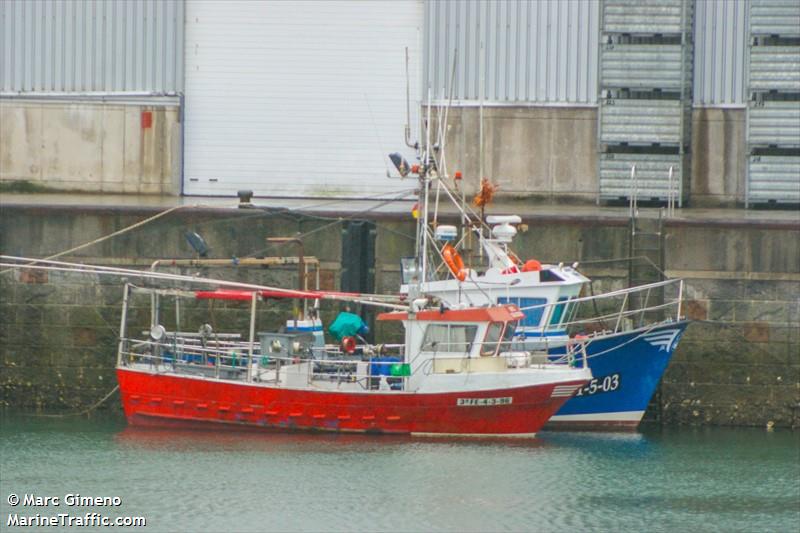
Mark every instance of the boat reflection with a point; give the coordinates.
(281, 441)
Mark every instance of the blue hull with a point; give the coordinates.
(627, 368)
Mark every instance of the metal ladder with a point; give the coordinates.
(646, 264)
(645, 239)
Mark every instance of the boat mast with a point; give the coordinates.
(422, 220)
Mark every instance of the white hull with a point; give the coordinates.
(626, 419)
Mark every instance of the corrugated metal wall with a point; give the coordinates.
(546, 51)
(539, 51)
(534, 51)
(97, 46)
(720, 41)
(298, 98)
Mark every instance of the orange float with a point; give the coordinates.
(531, 265)
(454, 262)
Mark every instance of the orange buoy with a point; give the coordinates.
(454, 262)
(531, 265)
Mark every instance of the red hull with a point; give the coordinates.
(169, 400)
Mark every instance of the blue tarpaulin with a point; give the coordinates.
(347, 325)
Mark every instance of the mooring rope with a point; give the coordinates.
(79, 413)
(105, 237)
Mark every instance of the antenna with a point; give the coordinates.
(377, 136)
(443, 126)
(408, 107)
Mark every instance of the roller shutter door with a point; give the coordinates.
(297, 99)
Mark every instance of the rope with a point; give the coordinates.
(617, 347)
(334, 220)
(106, 237)
(399, 196)
(79, 413)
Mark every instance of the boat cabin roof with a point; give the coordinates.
(499, 313)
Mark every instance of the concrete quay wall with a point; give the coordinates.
(738, 363)
(108, 147)
(530, 151)
(550, 153)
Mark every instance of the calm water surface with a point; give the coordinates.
(657, 480)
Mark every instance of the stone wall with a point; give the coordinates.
(91, 146)
(738, 363)
(58, 330)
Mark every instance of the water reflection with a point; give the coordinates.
(298, 442)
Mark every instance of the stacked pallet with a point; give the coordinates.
(645, 95)
(773, 109)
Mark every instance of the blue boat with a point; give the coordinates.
(627, 336)
(626, 370)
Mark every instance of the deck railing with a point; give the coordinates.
(617, 314)
(232, 360)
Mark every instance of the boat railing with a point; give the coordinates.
(614, 311)
(385, 369)
(234, 361)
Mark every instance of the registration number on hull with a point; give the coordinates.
(600, 385)
(484, 402)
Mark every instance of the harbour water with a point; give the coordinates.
(675, 480)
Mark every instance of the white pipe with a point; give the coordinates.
(253, 301)
(123, 323)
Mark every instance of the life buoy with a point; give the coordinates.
(349, 344)
(531, 265)
(454, 262)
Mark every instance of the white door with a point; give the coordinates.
(298, 99)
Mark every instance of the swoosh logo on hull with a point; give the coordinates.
(665, 340)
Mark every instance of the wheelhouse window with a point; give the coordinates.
(493, 335)
(449, 338)
(549, 275)
(572, 310)
(508, 335)
(533, 314)
(558, 311)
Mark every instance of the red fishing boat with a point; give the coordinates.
(455, 374)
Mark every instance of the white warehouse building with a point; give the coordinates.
(548, 98)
